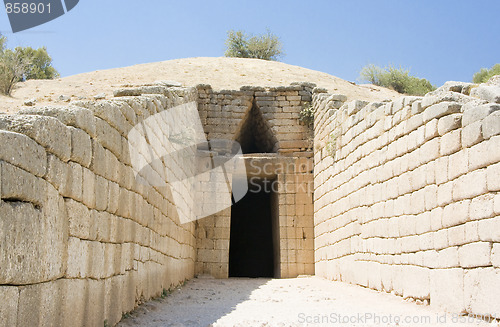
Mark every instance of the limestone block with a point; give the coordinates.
(479, 156)
(81, 147)
(79, 220)
(450, 143)
(472, 134)
(493, 153)
(75, 181)
(481, 207)
(88, 188)
(430, 150)
(74, 293)
(71, 116)
(475, 255)
(441, 109)
(470, 185)
(456, 213)
(113, 290)
(496, 205)
(477, 113)
(94, 303)
(116, 113)
(96, 259)
(98, 165)
(456, 235)
(416, 282)
(109, 137)
(113, 195)
(441, 170)
(495, 255)
(78, 258)
(448, 258)
(491, 125)
(112, 167)
(431, 129)
(449, 123)
(416, 107)
(23, 152)
(39, 304)
(101, 193)
(490, 93)
(33, 242)
(436, 221)
(8, 305)
(447, 290)
(101, 226)
(19, 185)
(458, 164)
(471, 232)
(355, 106)
(46, 131)
(489, 229)
(481, 290)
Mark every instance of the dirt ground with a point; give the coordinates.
(221, 73)
(307, 301)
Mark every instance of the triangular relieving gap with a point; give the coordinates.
(255, 135)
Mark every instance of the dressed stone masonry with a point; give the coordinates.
(82, 242)
(398, 196)
(406, 196)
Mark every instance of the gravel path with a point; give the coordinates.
(309, 301)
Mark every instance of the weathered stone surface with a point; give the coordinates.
(447, 289)
(79, 221)
(460, 87)
(23, 152)
(19, 185)
(26, 233)
(472, 114)
(47, 131)
(441, 109)
(8, 305)
(127, 92)
(491, 125)
(72, 116)
(475, 255)
(479, 294)
(109, 137)
(490, 93)
(472, 134)
(81, 147)
(57, 174)
(495, 255)
(449, 123)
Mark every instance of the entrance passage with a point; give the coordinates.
(251, 243)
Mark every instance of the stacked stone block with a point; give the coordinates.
(81, 240)
(406, 197)
(275, 113)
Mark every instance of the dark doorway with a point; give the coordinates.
(251, 251)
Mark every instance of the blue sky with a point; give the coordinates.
(439, 40)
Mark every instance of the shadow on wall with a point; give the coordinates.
(213, 299)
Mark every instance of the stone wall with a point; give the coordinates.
(406, 196)
(271, 116)
(81, 241)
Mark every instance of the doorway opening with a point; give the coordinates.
(253, 237)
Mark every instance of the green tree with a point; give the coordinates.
(22, 64)
(241, 45)
(398, 79)
(40, 63)
(483, 75)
